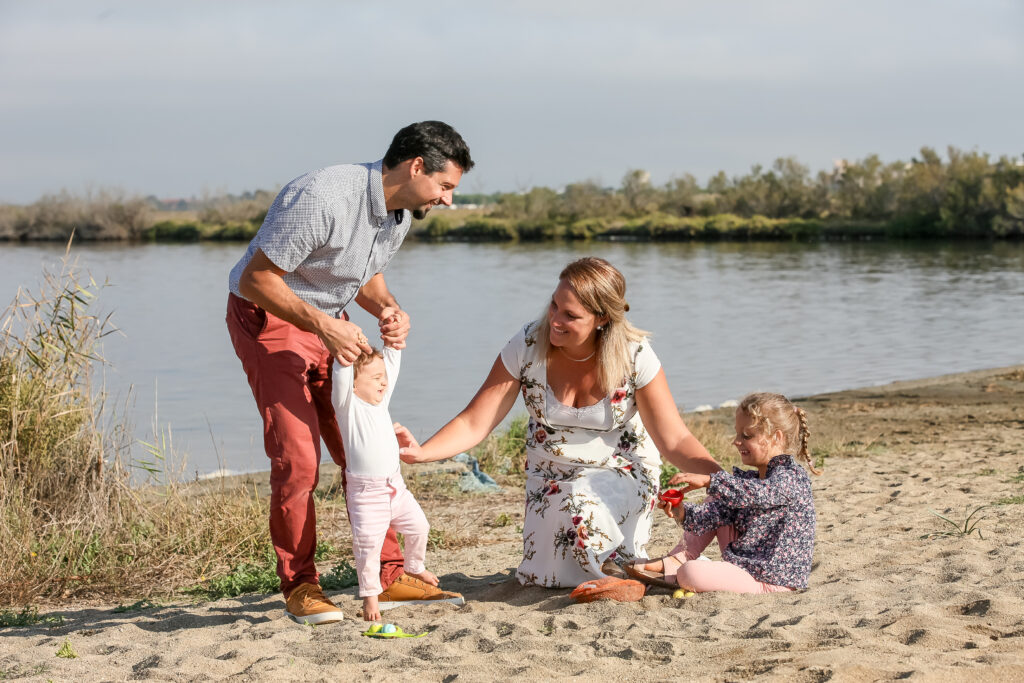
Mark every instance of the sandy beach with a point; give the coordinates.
(886, 600)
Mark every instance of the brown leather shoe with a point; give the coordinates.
(408, 590)
(308, 605)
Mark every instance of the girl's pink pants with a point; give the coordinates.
(703, 577)
(376, 504)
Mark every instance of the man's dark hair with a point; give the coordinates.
(435, 141)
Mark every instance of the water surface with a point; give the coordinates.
(726, 319)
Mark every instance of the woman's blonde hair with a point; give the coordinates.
(601, 290)
(769, 412)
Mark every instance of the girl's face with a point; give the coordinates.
(372, 381)
(756, 450)
(572, 325)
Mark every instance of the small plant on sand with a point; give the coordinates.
(964, 528)
(260, 576)
(342, 576)
(437, 539)
(667, 471)
(503, 453)
(66, 651)
(143, 604)
(29, 616)
(504, 519)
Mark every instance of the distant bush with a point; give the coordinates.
(476, 229)
(106, 215)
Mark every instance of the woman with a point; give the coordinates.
(600, 410)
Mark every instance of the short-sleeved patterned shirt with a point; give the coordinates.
(331, 232)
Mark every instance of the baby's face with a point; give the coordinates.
(372, 382)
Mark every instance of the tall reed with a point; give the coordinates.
(71, 523)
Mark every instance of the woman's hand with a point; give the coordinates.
(408, 447)
(692, 481)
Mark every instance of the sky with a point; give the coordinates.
(180, 99)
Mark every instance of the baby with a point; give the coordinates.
(375, 493)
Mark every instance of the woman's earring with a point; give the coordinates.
(600, 327)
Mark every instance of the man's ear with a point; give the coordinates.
(416, 167)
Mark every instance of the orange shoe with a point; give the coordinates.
(308, 605)
(408, 590)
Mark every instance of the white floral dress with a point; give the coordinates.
(589, 492)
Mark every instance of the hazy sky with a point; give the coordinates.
(178, 98)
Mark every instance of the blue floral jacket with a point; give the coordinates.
(773, 517)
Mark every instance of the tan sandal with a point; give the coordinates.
(664, 578)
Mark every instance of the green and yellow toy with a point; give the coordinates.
(390, 631)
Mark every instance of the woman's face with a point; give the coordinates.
(572, 325)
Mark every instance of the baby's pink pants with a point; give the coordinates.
(374, 505)
(704, 577)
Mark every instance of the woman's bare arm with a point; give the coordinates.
(671, 435)
(485, 411)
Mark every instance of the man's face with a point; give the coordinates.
(430, 189)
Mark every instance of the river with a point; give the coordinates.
(726, 319)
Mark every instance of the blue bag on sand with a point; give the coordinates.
(475, 480)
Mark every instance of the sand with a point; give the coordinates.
(884, 603)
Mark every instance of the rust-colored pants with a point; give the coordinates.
(289, 371)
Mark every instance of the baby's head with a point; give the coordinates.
(768, 425)
(370, 378)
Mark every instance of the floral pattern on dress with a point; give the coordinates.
(589, 493)
(774, 520)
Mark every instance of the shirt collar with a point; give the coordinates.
(779, 461)
(375, 186)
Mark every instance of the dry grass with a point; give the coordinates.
(107, 214)
(72, 523)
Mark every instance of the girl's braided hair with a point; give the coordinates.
(774, 411)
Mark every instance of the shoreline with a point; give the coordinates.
(892, 595)
(327, 468)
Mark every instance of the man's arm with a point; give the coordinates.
(262, 283)
(376, 299)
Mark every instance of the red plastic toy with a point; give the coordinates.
(672, 496)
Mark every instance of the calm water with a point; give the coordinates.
(726, 318)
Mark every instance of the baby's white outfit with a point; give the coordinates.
(375, 492)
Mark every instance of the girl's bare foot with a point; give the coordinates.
(371, 611)
(426, 577)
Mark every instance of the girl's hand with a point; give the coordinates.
(408, 447)
(692, 481)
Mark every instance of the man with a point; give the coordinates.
(325, 242)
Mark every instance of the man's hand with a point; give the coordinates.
(394, 327)
(344, 340)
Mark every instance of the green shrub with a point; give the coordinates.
(437, 228)
(483, 229)
(535, 231)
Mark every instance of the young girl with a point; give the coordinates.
(764, 518)
(375, 493)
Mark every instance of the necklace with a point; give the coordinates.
(577, 360)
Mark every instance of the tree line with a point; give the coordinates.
(967, 194)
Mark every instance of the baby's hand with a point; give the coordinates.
(394, 327)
